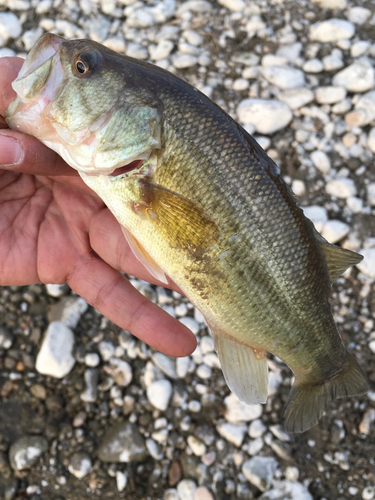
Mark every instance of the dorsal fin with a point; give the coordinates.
(339, 259)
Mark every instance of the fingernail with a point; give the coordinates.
(10, 151)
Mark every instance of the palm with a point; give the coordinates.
(54, 229)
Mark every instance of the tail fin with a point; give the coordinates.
(307, 402)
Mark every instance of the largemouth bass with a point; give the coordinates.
(200, 201)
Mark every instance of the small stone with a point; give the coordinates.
(360, 48)
(335, 230)
(55, 356)
(57, 290)
(232, 433)
(153, 449)
(284, 77)
(296, 98)
(25, 451)
(202, 493)
(358, 77)
(298, 187)
(181, 61)
(259, 471)
(122, 443)
(80, 465)
(367, 420)
(121, 480)
(194, 6)
(162, 50)
(321, 161)
(10, 26)
(68, 310)
(371, 194)
(257, 429)
(196, 446)
(358, 15)
(367, 265)
(39, 391)
(287, 489)
(313, 66)
(171, 494)
(331, 30)
(240, 84)
(268, 116)
(116, 43)
(341, 188)
(182, 366)
(159, 393)
(186, 489)
(204, 372)
(291, 473)
(237, 411)
(254, 446)
(368, 493)
(330, 95)
(121, 372)
(91, 380)
(355, 204)
(6, 338)
(233, 5)
(136, 50)
(106, 349)
(92, 359)
(166, 364)
(331, 4)
(332, 62)
(371, 140)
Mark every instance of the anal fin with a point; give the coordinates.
(245, 369)
(144, 257)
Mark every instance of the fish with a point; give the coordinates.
(198, 201)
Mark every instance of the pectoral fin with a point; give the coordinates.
(245, 371)
(144, 257)
(182, 222)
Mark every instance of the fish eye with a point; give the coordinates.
(85, 63)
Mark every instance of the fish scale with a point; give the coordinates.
(200, 201)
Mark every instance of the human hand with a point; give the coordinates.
(54, 229)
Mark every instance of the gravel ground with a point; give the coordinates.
(110, 418)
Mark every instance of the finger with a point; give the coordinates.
(23, 153)
(110, 293)
(9, 69)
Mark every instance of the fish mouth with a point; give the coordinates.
(45, 48)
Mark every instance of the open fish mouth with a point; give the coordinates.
(35, 65)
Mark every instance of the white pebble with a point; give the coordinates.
(321, 161)
(367, 265)
(298, 187)
(341, 188)
(371, 140)
(196, 446)
(186, 489)
(360, 48)
(284, 77)
(237, 411)
(313, 66)
(204, 372)
(358, 77)
(330, 94)
(232, 433)
(159, 394)
(92, 359)
(331, 30)
(358, 15)
(296, 98)
(257, 429)
(121, 480)
(55, 356)
(184, 61)
(267, 116)
(371, 193)
(233, 5)
(57, 290)
(10, 26)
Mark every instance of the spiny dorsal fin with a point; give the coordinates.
(339, 259)
(144, 257)
(244, 372)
